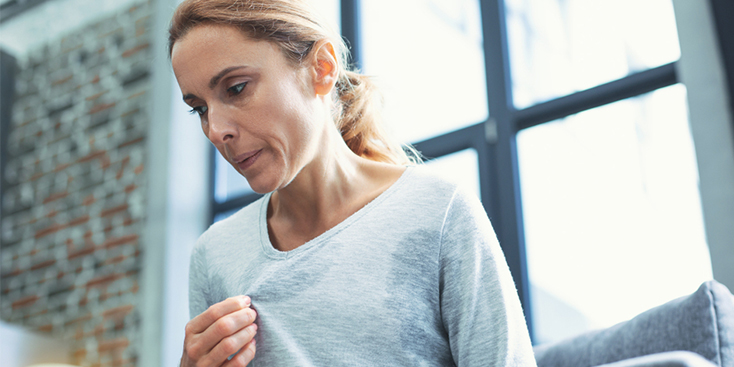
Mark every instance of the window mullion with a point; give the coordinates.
(504, 199)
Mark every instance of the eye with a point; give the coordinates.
(236, 89)
(199, 110)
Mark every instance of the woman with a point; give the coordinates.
(352, 257)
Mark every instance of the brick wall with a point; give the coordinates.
(74, 200)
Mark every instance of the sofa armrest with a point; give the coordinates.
(666, 359)
(702, 323)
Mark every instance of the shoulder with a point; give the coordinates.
(426, 185)
(423, 183)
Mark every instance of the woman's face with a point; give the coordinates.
(260, 112)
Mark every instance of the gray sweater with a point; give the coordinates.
(415, 278)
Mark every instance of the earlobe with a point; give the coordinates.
(326, 67)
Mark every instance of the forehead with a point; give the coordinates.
(209, 48)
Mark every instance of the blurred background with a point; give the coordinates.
(598, 135)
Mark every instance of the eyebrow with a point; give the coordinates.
(215, 79)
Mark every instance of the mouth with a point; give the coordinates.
(246, 160)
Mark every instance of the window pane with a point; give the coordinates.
(427, 58)
(461, 167)
(612, 213)
(328, 10)
(561, 46)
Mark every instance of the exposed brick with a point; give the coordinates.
(37, 175)
(46, 328)
(99, 329)
(79, 320)
(101, 107)
(56, 196)
(95, 96)
(54, 160)
(89, 200)
(128, 113)
(105, 162)
(49, 230)
(136, 95)
(79, 354)
(117, 241)
(77, 221)
(24, 302)
(135, 50)
(103, 280)
(131, 142)
(113, 210)
(62, 80)
(108, 345)
(61, 167)
(118, 312)
(81, 252)
(91, 156)
(43, 264)
(114, 260)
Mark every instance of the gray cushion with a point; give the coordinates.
(666, 359)
(702, 323)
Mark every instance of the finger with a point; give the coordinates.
(201, 322)
(235, 343)
(229, 324)
(245, 356)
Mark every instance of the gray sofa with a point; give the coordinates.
(696, 330)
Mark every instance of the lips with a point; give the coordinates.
(244, 161)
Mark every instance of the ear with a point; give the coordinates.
(325, 68)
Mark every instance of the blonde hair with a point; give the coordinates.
(295, 28)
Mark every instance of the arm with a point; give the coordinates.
(480, 308)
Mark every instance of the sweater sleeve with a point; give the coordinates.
(480, 307)
(198, 281)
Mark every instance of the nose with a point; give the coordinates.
(221, 126)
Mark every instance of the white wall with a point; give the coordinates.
(701, 70)
(178, 165)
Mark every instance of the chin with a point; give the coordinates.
(263, 185)
(262, 188)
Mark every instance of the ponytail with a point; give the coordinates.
(358, 117)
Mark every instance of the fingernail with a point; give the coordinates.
(246, 301)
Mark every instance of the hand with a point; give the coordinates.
(222, 330)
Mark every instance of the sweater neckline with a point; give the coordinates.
(270, 251)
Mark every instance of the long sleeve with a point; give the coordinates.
(198, 281)
(480, 308)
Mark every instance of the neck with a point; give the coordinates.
(333, 186)
(328, 182)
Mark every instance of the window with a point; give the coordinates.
(611, 207)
